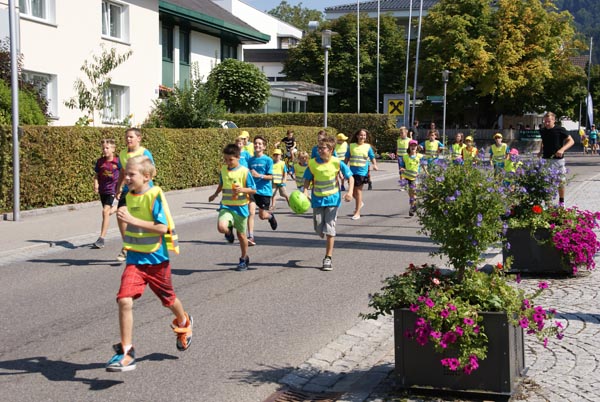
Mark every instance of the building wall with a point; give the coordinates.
(60, 47)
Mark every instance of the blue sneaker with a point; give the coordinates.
(121, 361)
(244, 264)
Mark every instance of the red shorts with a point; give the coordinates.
(157, 276)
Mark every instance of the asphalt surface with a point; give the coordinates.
(47, 266)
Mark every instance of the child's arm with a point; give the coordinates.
(217, 191)
(348, 195)
(120, 183)
(96, 184)
(154, 227)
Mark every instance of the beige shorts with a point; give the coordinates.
(324, 219)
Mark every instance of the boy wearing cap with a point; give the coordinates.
(498, 153)
(469, 152)
(248, 146)
(279, 175)
(410, 165)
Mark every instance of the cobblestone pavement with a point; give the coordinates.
(360, 363)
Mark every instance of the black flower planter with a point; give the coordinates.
(531, 257)
(419, 369)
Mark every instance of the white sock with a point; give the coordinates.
(126, 348)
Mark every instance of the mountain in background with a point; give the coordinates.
(587, 21)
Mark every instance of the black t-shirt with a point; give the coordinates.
(289, 142)
(553, 139)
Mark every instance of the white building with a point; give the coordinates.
(165, 37)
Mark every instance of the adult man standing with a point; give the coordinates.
(555, 141)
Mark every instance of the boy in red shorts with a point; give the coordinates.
(148, 237)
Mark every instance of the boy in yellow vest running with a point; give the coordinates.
(498, 153)
(410, 166)
(149, 234)
(322, 172)
(237, 185)
(300, 167)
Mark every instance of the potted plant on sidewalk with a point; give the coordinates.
(542, 238)
(461, 328)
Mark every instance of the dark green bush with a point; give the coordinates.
(29, 109)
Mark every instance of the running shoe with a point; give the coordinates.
(98, 243)
(273, 222)
(121, 361)
(184, 334)
(327, 266)
(243, 265)
(122, 255)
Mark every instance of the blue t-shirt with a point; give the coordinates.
(333, 200)
(262, 165)
(594, 135)
(241, 210)
(160, 255)
(361, 170)
(244, 157)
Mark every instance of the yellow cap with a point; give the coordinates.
(469, 138)
(341, 136)
(497, 135)
(277, 152)
(244, 134)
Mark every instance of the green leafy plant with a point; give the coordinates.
(460, 207)
(91, 94)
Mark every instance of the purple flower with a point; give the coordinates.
(518, 279)
(468, 321)
(414, 308)
(545, 342)
(543, 285)
(451, 307)
(429, 303)
(524, 322)
(444, 313)
(459, 331)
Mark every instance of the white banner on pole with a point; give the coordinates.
(590, 109)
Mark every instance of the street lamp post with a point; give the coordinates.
(445, 77)
(326, 44)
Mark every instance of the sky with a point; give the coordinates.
(266, 5)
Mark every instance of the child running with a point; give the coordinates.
(498, 153)
(133, 138)
(322, 172)
(106, 179)
(236, 184)
(410, 166)
(432, 146)
(261, 169)
(469, 152)
(149, 234)
(279, 176)
(358, 156)
(457, 147)
(402, 149)
(300, 167)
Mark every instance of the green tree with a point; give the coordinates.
(29, 109)
(306, 62)
(241, 86)
(297, 15)
(194, 105)
(513, 57)
(90, 96)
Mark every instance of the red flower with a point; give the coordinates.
(499, 266)
(536, 209)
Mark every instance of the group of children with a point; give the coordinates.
(248, 179)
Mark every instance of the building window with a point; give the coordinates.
(184, 47)
(167, 43)
(287, 42)
(37, 9)
(228, 51)
(116, 100)
(115, 20)
(46, 86)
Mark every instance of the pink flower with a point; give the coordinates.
(451, 307)
(414, 308)
(444, 313)
(524, 322)
(429, 303)
(543, 285)
(468, 321)
(436, 281)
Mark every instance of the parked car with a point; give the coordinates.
(227, 124)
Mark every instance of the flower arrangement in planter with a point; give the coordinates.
(569, 232)
(461, 208)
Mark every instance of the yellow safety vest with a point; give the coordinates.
(125, 155)
(359, 154)
(499, 153)
(278, 172)
(510, 166)
(299, 173)
(469, 155)
(249, 148)
(140, 240)
(341, 149)
(229, 179)
(457, 150)
(402, 146)
(324, 176)
(411, 166)
(431, 148)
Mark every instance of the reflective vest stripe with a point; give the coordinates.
(324, 176)
(359, 154)
(498, 153)
(228, 177)
(431, 148)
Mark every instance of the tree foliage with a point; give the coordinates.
(194, 105)
(514, 57)
(241, 86)
(90, 96)
(306, 62)
(587, 21)
(297, 15)
(29, 109)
